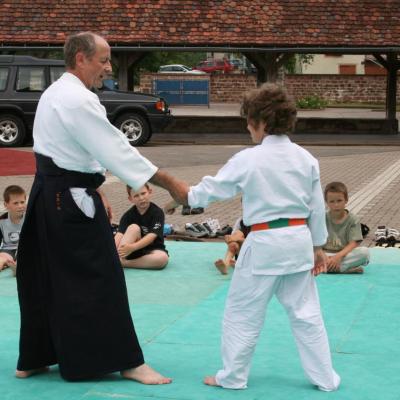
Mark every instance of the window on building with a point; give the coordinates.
(347, 69)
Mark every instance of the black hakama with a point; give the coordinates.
(71, 286)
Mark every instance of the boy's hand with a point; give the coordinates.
(6, 260)
(125, 249)
(170, 207)
(334, 262)
(320, 262)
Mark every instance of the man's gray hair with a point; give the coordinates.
(84, 42)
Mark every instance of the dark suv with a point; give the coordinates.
(23, 79)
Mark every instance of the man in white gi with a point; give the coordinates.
(284, 206)
(71, 287)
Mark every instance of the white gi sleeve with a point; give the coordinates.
(223, 186)
(316, 221)
(109, 146)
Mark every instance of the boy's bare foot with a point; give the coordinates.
(30, 372)
(146, 375)
(355, 270)
(232, 262)
(210, 381)
(222, 267)
(333, 269)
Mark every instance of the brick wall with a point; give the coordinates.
(339, 88)
(229, 88)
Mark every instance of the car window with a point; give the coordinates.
(30, 79)
(3, 78)
(55, 73)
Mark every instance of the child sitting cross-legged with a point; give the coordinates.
(344, 234)
(10, 225)
(140, 239)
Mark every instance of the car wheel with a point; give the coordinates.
(12, 131)
(134, 127)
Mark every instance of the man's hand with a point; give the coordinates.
(178, 189)
(320, 262)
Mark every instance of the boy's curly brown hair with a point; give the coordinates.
(271, 104)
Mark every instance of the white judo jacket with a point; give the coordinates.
(72, 128)
(277, 179)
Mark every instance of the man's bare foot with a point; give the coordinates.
(146, 375)
(222, 267)
(210, 381)
(30, 372)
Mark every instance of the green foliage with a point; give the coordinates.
(292, 63)
(153, 60)
(313, 102)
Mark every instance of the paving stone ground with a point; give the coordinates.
(356, 166)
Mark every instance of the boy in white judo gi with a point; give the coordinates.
(283, 203)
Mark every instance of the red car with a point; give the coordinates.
(214, 66)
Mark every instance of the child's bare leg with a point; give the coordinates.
(146, 375)
(157, 259)
(30, 372)
(131, 235)
(233, 249)
(221, 266)
(229, 259)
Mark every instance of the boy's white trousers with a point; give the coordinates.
(244, 318)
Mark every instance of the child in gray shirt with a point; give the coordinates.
(10, 225)
(344, 233)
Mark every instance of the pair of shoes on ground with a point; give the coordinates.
(187, 210)
(205, 229)
(216, 227)
(386, 237)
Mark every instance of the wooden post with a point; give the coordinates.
(391, 86)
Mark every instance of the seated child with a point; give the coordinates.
(140, 239)
(344, 233)
(234, 242)
(10, 225)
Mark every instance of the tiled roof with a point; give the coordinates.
(205, 22)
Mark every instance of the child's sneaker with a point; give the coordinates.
(213, 224)
(193, 231)
(381, 234)
(211, 233)
(392, 234)
(201, 228)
